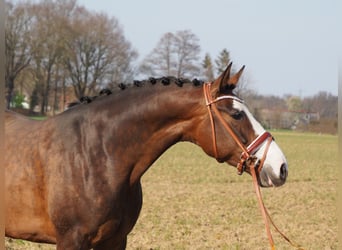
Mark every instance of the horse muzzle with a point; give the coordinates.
(268, 178)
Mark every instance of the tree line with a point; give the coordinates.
(54, 45)
(56, 49)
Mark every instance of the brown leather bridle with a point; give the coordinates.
(248, 153)
(247, 158)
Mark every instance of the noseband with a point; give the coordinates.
(248, 153)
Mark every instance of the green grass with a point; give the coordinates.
(192, 202)
(38, 118)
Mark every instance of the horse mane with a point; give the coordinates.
(137, 83)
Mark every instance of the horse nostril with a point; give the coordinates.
(283, 171)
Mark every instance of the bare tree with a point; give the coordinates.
(176, 54)
(161, 60)
(97, 52)
(187, 53)
(18, 25)
(47, 49)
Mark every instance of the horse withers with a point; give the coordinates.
(74, 179)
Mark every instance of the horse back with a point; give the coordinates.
(16, 119)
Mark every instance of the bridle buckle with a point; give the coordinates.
(241, 166)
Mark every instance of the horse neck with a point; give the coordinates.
(144, 122)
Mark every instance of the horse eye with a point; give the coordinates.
(237, 115)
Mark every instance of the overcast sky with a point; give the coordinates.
(288, 46)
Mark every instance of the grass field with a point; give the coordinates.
(192, 202)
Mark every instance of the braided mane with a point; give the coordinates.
(136, 83)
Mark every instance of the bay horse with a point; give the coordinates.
(74, 179)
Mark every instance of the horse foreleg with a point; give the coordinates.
(112, 244)
(72, 241)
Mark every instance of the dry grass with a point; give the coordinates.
(192, 202)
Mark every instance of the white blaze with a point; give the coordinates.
(275, 157)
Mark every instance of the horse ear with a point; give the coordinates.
(225, 81)
(222, 80)
(225, 75)
(235, 78)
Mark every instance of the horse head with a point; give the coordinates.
(231, 134)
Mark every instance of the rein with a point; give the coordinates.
(247, 157)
